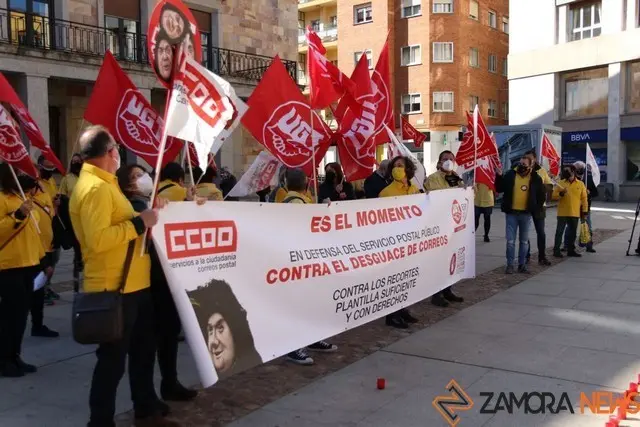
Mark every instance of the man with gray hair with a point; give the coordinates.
(376, 182)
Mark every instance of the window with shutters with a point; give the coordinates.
(474, 9)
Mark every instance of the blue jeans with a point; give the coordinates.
(518, 226)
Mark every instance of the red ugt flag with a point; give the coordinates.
(12, 150)
(361, 78)
(8, 95)
(468, 152)
(409, 132)
(280, 118)
(117, 104)
(328, 83)
(550, 153)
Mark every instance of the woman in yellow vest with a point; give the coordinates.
(20, 254)
(69, 180)
(400, 173)
(443, 179)
(484, 201)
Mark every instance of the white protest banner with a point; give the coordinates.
(397, 148)
(253, 282)
(262, 173)
(199, 111)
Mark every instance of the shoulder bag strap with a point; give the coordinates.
(289, 199)
(165, 187)
(127, 265)
(14, 235)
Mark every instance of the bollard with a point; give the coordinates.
(381, 383)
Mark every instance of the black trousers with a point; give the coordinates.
(16, 287)
(37, 297)
(541, 237)
(571, 224)
(139, 344)
(167, 331)
(486, 213)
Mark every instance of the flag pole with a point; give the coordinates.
(313, 160)
(190, 165)
(475, 143)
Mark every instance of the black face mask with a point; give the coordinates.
(75, 168)
(566, 175)
(330, 176)
(27, 183)
(522, 169)
(580, 172)
(46, 174)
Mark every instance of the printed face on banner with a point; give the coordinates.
(172, 24)
(139, 125)
(12, 150)
(288, 132)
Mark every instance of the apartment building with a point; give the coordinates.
(447, 56)
(576, 64)
(51, 51)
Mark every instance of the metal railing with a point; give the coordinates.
(51, 34)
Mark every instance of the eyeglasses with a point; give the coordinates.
(115, 146)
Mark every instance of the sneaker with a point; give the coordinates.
(451, 297)
(51, 294)
(439, 301)
(509, 270)
(43, 332)
(544, 261)
(300, 357)
(323, 347)
(395, 321)
(11, 370)
(522, 269)
(25, 367)
(487, 239)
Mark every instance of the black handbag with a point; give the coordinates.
(97, 317)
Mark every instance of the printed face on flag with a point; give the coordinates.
(171, 24)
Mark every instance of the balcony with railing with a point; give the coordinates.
(30, 31)
(328, 33)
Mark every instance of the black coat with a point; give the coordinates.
(593, 189)
(158, 278)
(328, 191)
(374, 185)
(535, 198)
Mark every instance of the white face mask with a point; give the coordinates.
(447, 166)
(145, 184)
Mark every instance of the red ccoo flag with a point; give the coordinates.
(280, 118)
(411, 133)
(117, 104)
(550, 153)
(8, 95)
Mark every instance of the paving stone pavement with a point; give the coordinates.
(572, 328)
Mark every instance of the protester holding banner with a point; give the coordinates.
(592, 191)
(68, 181)
(171, 186)
(280, 193)
(377, 181)
(523, 194)
(137, 186)
(206, 187)
(20, 255)
(573, 207)
(297, 183)
(335, 188)
(445, 178)
(110, 236)
(44, 205)
(400, 172)
(539, 216)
